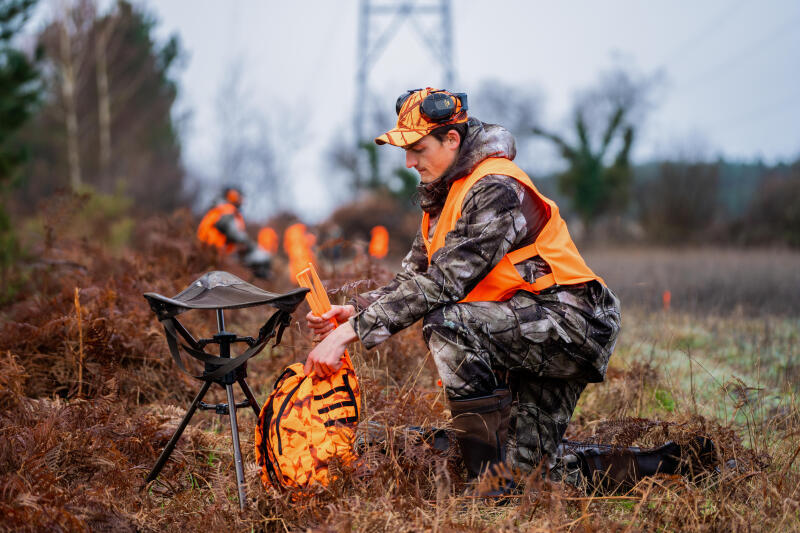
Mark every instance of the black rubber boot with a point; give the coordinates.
(481, 426)
(612, 467)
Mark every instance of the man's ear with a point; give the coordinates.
(453, 138)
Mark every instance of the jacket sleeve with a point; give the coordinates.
(414, 262)
(491, 224)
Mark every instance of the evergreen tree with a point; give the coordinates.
(19, 87)
(107, 117)
(19, 95)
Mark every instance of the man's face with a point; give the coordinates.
(432, 157)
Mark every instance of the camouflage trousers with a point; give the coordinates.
(545, 347)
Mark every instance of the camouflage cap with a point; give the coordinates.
(413, 124)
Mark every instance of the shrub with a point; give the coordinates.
(680, 203)
(774, 214)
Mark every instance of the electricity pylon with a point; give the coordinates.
(378, 23)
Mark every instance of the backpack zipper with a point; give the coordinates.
(280, 414)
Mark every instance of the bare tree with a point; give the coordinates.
(106, 121)
(104, 31)
(516, 108)
(362, 165)
(604, 119)
(248, 155)
(680, 203)
(267, 168)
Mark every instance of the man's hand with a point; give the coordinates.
(322, 326)
(326, 357)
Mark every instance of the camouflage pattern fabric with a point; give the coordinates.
(498, 216)
(546, 346)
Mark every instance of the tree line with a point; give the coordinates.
(88, 104)
(95, 105)
(681, 199)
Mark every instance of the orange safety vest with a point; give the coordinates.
(379, 243)
(268, 239)
(553, 244)
(208, 234)
(297, 243)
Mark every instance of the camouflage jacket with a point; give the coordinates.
(498, 215)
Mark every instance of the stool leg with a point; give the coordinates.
(237, 451)
(250, 396)
(177, 435)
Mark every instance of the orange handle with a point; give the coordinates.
(317, 296)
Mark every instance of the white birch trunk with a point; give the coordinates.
(67, 68)
(103, 100)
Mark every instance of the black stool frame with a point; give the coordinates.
(219, 291)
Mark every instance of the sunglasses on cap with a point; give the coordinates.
(439, 106)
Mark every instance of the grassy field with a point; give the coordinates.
(704, 281)
(89, 397)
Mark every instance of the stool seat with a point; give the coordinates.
(222, 290)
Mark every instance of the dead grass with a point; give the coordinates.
(74, 453)
(707, 281)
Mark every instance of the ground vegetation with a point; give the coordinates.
(89, 397)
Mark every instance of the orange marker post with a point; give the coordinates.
(666, 300)
(268, 239)
(297, 243)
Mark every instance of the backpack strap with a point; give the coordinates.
(351, 394)
(340, 388)
(267, 453)
(280, 414)
(352, 402)
(289, 372)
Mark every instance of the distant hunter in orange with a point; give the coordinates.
(379, 243)
(223, 225)
(297, 243)
(268, 239)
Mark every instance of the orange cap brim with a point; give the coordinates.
(400, 137)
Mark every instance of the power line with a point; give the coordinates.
(779, 31)
(371, 44)
(765, 111)
(713, 25)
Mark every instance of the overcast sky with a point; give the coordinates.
(730, 71)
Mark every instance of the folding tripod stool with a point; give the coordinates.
(219, 291)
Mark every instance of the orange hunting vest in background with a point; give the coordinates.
(208, 234)
(379, 243)
(297, 243)
(553, 244)
(268, 239)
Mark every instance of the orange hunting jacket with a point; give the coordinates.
(209, 234)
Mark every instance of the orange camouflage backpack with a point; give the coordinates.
(307, 421)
